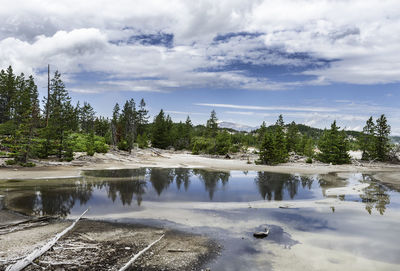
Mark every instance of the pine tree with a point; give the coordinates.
(60, 113)
(293, 137)
(281, 152)
(159, 135)
(142, 118)
(222, 143)
(333, 146)
(261, 132)
(86, 118)
(382, 138)
(268, 150)
(212, 125)
(115, 124)
(128, 123)
(26, 118)
(368, 140)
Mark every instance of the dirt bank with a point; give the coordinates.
(95, 245)
(161, 158)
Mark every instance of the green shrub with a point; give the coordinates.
(203, 145)
(143, 141)
(28, 164)
(11, 162)
(309, 160)
(123, 145)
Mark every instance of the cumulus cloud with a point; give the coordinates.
(195, 44)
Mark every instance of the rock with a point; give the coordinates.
(261, 234)
(227, 156)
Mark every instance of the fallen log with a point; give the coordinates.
(128, 264)
(21, 264)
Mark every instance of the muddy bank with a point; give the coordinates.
(390, 179)
(170, 159)
(96, 245)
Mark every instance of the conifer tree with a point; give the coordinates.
(86, 118)
(368, 140)
(293, 137)
(333, 146)
(281, 152)
(159, 135)
(267, 150)
(115, 124)
(128, 123)
(212, 125)
(382, 138)
(142, 118)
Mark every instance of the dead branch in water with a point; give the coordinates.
(40, 251)
(128, 264)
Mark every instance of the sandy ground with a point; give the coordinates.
(149, 158)
(313, 225)
(94, 245)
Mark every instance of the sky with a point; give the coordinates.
(314, 61)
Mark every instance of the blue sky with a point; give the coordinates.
(312, 61)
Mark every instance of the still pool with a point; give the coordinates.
(303, 215)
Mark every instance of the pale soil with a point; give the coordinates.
(171, 159)
(94, 245)
(329, 250)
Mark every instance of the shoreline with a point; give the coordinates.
(388, 174)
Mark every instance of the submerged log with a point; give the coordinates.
(21, 264)
(128, 264)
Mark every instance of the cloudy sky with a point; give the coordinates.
(311, 60)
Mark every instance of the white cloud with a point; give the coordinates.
(270, 108)
(74, 36)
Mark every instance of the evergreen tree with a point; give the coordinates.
(261, 132)
(159, 135)
(333, 146)
(281, 152)
(7, 93)
(128, 123)
(222, 143)
(293, 137)
(61, 113)
(115, 124)
(212, 125)
(382, 138)
(267, 150)
(86, 118)
(368, 140)
(142, 118)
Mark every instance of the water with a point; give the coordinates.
(230, 207)
(108, 190)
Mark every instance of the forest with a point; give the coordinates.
(54, 127)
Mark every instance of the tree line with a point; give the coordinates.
(59, 128)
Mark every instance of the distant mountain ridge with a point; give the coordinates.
(236, 126)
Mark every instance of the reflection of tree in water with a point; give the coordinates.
(331, 180)
(272, 185)
(47, 200)
(161, 178)
(182, 175)
(126, 189)
(211, 179)
(375, 195)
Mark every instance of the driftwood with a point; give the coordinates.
(41, 221)
(40, 251)
(128, 264)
